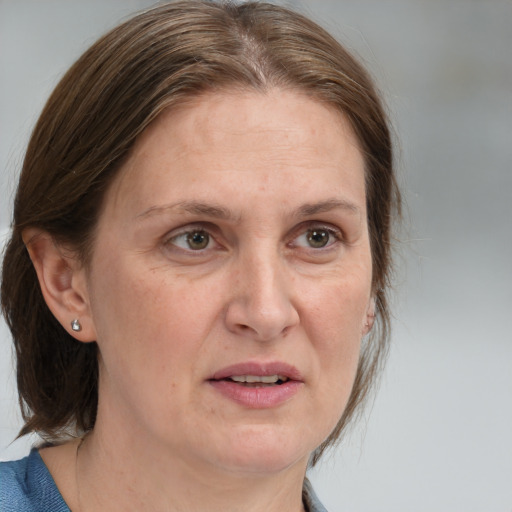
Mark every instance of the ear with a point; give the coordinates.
(370, 317)
(63, 282)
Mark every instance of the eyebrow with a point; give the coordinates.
(192, 207)
(222, 213)
(326, 206)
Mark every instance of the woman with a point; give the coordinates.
(200, 249)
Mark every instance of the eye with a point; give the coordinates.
(317, 238)
(195, 240)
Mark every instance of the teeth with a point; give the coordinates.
(265, 379)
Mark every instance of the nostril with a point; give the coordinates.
(248, 316)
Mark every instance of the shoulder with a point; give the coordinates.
(26, 486)
(310, 499)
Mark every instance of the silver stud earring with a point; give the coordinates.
(75, 325)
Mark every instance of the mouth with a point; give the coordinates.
(258, 381)
(256, 385)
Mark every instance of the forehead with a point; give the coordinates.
(263, 141)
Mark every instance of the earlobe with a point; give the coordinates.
(62, 282)
(370, 317)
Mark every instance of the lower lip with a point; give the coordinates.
(257, 397)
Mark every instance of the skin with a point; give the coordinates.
(166, 317)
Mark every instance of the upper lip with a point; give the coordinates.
(258, 369)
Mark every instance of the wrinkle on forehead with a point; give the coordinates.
(194, 131)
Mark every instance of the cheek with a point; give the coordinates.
(334, 326)
(149, 335)
(148, 318)
(337, 313)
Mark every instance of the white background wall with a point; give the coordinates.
(439, 436)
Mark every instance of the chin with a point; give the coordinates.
(263, 450)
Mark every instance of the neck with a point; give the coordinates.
(118, 473)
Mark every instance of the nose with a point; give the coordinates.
(261, 305)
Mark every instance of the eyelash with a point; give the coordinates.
(189, 230)
(335, 236)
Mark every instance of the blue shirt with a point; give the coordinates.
(27, 486)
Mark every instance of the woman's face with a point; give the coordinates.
(231, 281)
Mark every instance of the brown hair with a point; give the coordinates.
(122, 83)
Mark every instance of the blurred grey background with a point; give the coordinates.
(439, 433)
